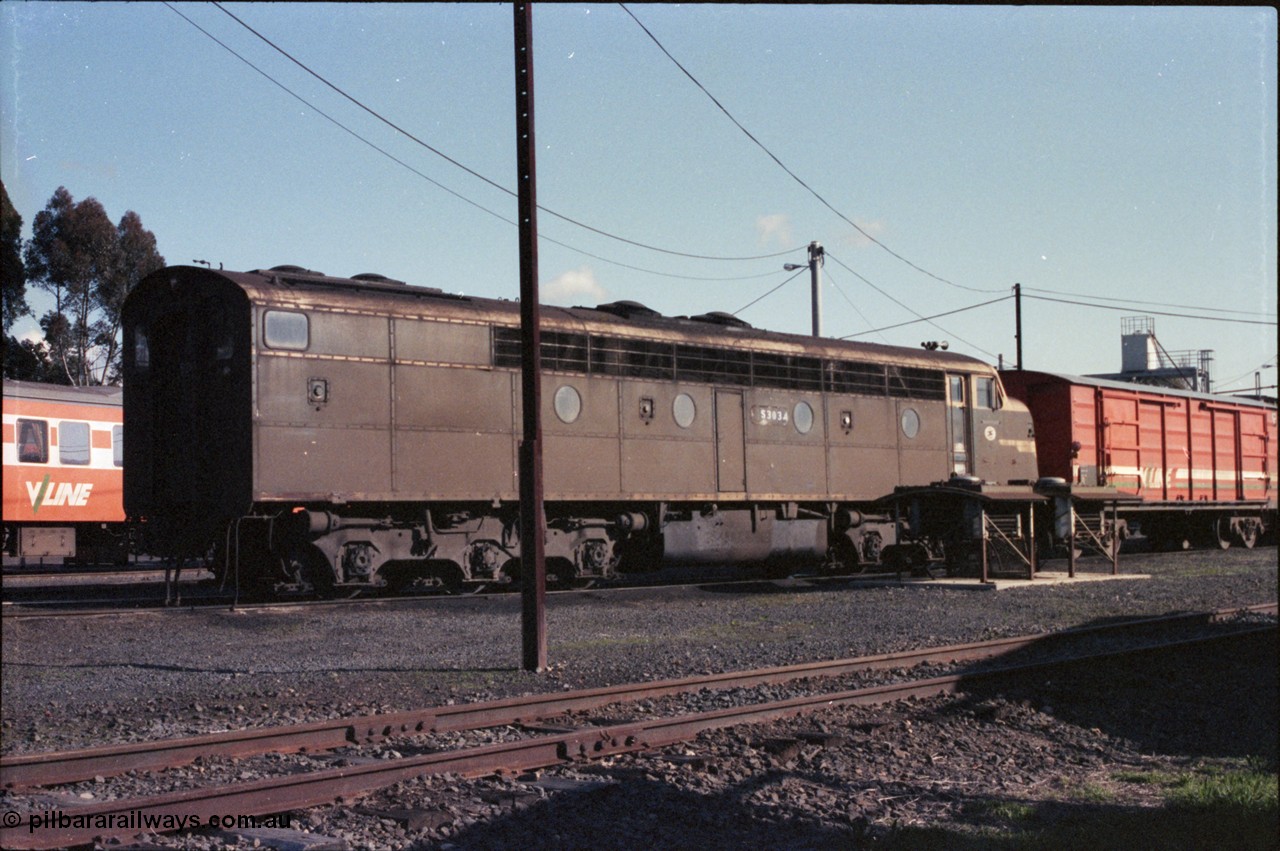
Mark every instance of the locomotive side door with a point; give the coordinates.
(959, 425)
(731, 447)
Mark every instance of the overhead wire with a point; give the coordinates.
(928, 318)
(438, 184)
(1272, 323)
(477, 174)
(659, 249)
(877, 242)
(770, 292)
(791, 173)
(828, 277)
(1026, 288)
(918, 316)
(1265, 365)
(1244, 389)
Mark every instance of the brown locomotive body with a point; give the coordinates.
(358, 432)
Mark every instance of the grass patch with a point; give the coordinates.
(1147, 778)
(1230, 794)
(1233, 806)
(1005, 811)
(1092, 793)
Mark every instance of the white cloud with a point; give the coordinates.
(774, 228)
(578, 286)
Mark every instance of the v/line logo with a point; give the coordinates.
(45, 492)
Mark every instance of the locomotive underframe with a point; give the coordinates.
(315, 549)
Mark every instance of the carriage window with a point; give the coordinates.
(283, 330)
(117, 445)
(33, 442)
(73, 443)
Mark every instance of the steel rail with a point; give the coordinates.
(124, 819)
(54, 768)
(196, 600)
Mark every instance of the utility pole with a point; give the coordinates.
(815, 282)
(533, 523)
(1017, 322)
(816, 256)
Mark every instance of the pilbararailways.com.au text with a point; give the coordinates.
(141, 821)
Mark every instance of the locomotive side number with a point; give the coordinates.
(768, 415)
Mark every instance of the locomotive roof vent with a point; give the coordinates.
(375, 278)
(294, 270)
(629, 310)
(719, 317)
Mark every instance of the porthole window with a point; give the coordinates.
(284, 330)
(802, 416)
(684, 410)
(568, 404)
(910, 422)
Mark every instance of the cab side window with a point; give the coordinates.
(33, 442)
(987, 393)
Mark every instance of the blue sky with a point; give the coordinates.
(1097, 152)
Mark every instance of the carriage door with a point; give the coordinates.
(731, 450)
(961, 417)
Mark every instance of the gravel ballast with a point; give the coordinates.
(72, 682)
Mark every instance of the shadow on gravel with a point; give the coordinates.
(640, 812)
(806, 585)
(1217, 700)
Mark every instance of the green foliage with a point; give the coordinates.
(88, 265)
(12, 273)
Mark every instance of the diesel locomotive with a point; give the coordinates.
(333, 433)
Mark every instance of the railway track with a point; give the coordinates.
(92, 594)
(324, 786)
(21, 605)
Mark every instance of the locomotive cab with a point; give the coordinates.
(187, 355)
(992, 435)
